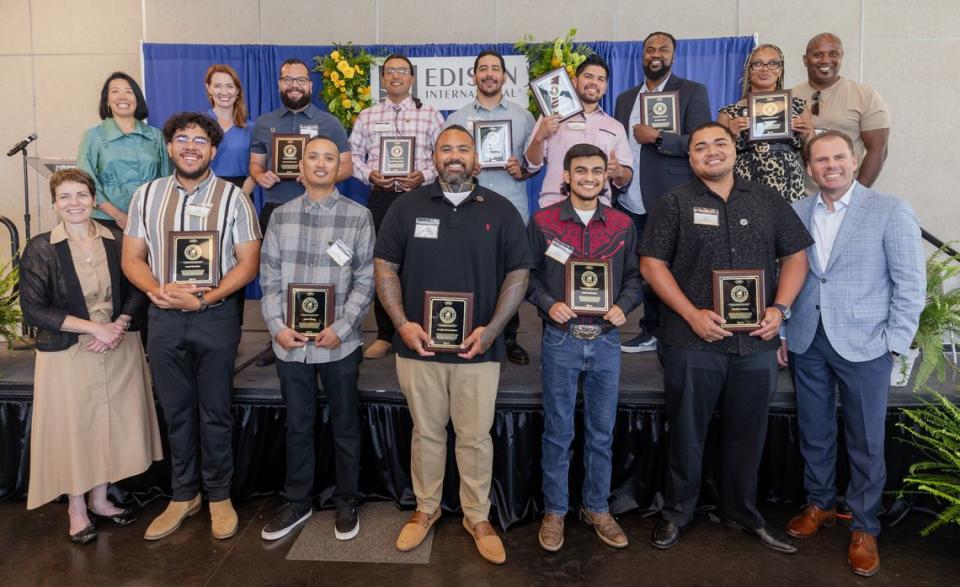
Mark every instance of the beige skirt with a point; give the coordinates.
(94, 419)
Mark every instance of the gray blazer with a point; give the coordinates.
(874, 287)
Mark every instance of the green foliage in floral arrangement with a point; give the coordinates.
(545, 57)
(10, 316)
(940, 317)
(346, 82)
(935, 430)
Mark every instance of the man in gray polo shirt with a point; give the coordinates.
(489, 75)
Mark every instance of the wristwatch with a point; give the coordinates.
(204, 305)
(784, 311)
(659, 140)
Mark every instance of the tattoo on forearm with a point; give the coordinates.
(512, 291)
(389, 290)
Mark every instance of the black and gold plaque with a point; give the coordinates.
(587, 286)
(769, 114)
(310, 307)
(397, 156)
(194, 257)
(661, 110)
(739, 298)
(447, 319)
(287, 153)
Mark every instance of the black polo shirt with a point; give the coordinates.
(476, 244)
(754, 227)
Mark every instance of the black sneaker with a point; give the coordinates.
(515, 353)
(642, 343)
(348, 522)
(289, 517)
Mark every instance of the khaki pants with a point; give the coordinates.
(437, 393)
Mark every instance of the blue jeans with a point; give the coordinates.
(563, 359)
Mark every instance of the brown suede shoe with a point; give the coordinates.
(488, 542)
(551, 532)
(863, 555)
(806, 523)
(223, 519)
(377, 349)
(415, 530)
(607, 528)
(167, 523)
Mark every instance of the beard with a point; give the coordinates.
(292, 104)
(455, 177)
(495, 92)
(659, 74)
(192, 174)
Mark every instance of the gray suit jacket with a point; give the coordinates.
(873, 289)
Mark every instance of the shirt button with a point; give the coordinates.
(818, 306)
(823, 281)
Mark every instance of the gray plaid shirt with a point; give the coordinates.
(295, 250)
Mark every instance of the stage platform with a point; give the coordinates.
(639, 447)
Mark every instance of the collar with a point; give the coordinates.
(406, 104)
(568, 213)
(840, 204)
(659, 88)
(598, 112)
(112, 131)
(312, 206)
(739, 186)
(60, 234)
(501, 105)
(476, 194)
(200, 186)
(310, 111)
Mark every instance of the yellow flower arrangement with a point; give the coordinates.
(544, 57)
(346, 89)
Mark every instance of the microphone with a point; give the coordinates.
(22, 144)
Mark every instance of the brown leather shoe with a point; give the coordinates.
(167, 523)
(551, 532)
(415, 530)
(223, 519)
(863, 555)
(806, 523)
(377, 349)
(488, 542)
(607, 528)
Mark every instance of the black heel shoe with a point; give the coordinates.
(88, 534)
(124, 518)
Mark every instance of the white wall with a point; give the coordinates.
(55, 54)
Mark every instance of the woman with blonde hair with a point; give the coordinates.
(225, 93)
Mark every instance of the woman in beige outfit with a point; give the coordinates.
(94, 420)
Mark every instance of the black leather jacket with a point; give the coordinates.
(50, 289)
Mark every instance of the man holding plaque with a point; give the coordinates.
(317, 264)
(451, 264)
(489, 75)
(584, 282)
(551, 139)
(659, 152)
(859, 308)
(717, 223)
(399, 121)
(194, 329)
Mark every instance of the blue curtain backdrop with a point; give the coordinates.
(174, 77)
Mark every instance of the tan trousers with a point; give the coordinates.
(437, 393)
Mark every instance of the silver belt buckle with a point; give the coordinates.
(585, 331)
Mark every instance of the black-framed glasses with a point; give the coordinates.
(815, 106)
(289, 81)
(773, 65)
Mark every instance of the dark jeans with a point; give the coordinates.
(863, 387)
(564, 360)
(696, 383)
(378, 204)
(298, 385)
(192, 355)
(651, 303)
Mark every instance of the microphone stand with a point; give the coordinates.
(26, 195)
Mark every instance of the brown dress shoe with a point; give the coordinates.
(863, 556)
(607, 528)
(551, 532)
(377, 349)
(415, 530)
(487, 540)
(806, 523)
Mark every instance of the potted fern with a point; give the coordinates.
(939, 320)
(10, 316)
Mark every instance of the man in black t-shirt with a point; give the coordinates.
(467, 244)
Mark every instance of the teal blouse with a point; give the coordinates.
(120, 163)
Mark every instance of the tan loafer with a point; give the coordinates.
(167, 523)
(607, 528)
(415, 530)
(223, 519)
(551, 532)
(488, 542)
(377, 350)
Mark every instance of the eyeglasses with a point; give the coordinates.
(289, 81)
(397, 71)
(183, 140)
(760, 65)
(815, 107)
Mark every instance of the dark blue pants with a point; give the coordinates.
(863, 386)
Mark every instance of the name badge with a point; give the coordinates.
(577, 125)
(383, 127)
(559, 251)
(340, 252)
(310, 130)
(198, 210)
(706, 216)
(427, 228)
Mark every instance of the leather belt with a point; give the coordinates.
(588, 331)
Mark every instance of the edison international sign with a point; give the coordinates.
(446, 83)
